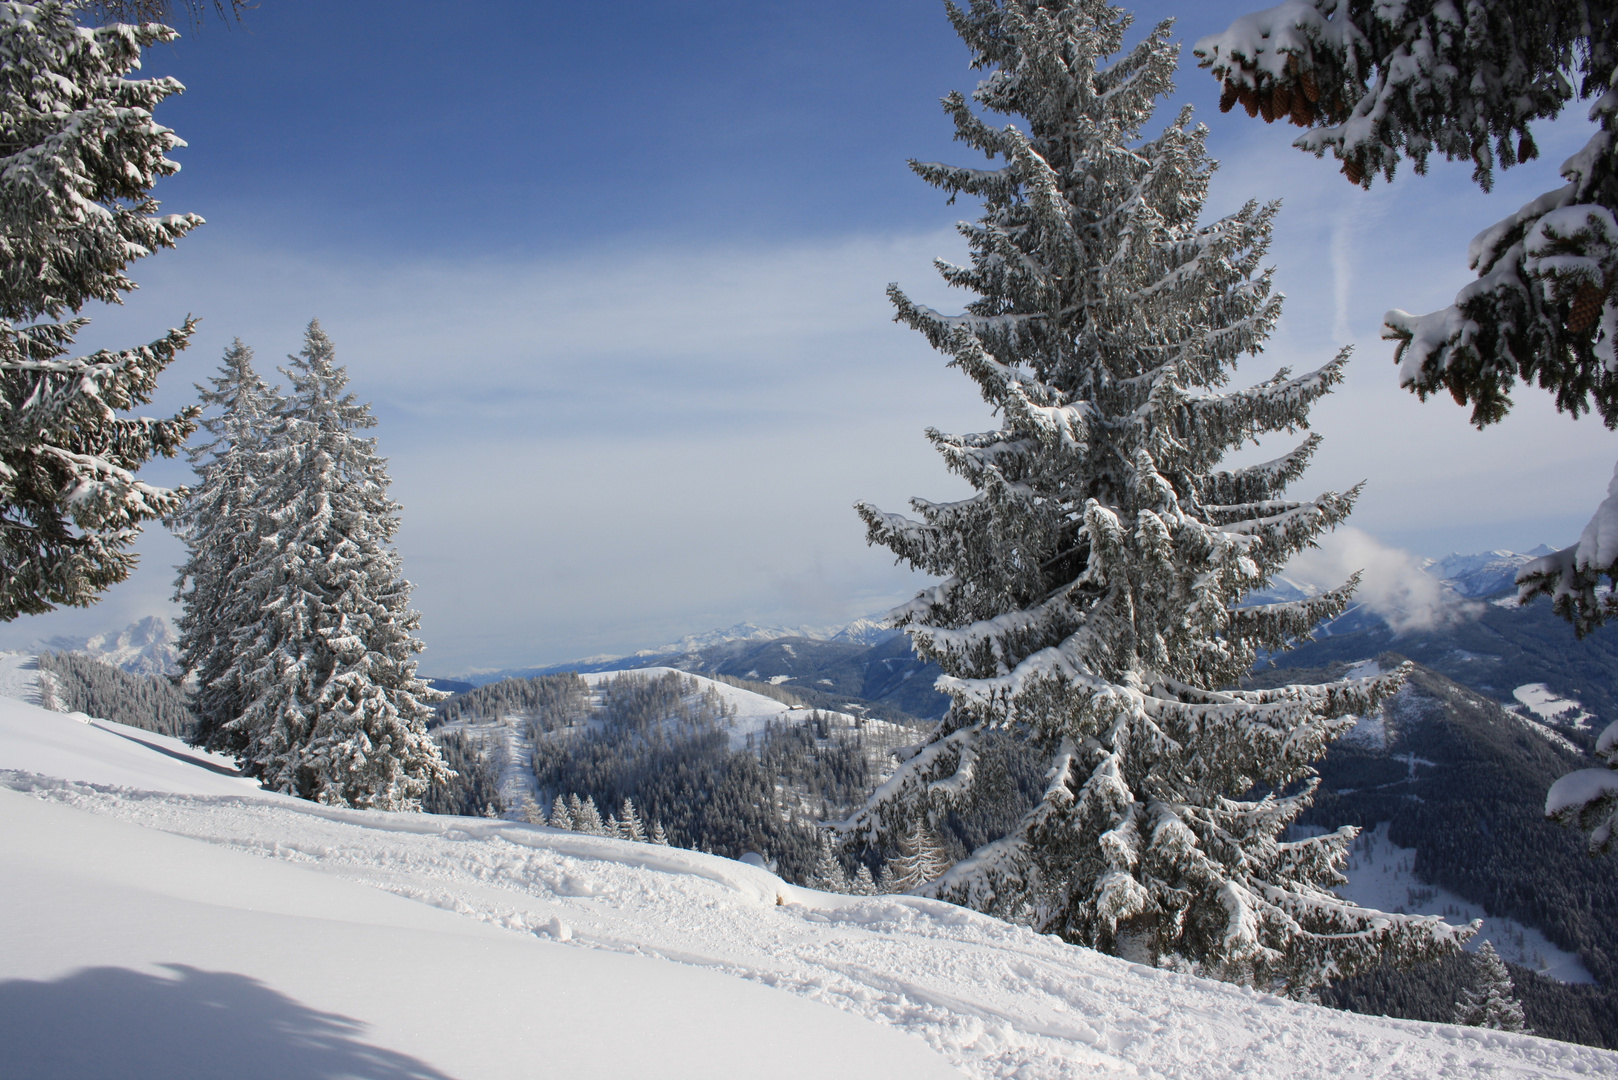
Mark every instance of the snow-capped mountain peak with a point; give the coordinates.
(867, 630)
(1483, 573)
(146, 647)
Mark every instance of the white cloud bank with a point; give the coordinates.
(1392, 582)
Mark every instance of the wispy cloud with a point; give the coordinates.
(1392, 582)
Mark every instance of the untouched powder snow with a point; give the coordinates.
(163, 921)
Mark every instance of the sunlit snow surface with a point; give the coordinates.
(196, 929)
(1538, 699)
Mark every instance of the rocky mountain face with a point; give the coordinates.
(147, 647)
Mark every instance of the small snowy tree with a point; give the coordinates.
(336, 712)
(919, 860)
(864, 883)
(586, 818)
(560, 817)
(629, 825)
(1090, 592)
(531, 812)
(221, 523)
(78, 161)
(659, 837)
(829, 875)
(1493, 1002)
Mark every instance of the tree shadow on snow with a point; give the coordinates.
(112, 1023)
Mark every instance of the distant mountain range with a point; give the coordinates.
(863, 631)
(147, 647)
(867, 662)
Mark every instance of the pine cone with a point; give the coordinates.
(1266, 105)
(1303, 113)
(1248, 99)
(1352, 170)
(1525, 148)
(1311, 88)
(1283, 100)
(1586, 306)
(1227, 97)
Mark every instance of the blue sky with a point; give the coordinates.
(612, 277)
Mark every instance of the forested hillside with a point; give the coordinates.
(664, 742)
(1462, 781)
(73, 682)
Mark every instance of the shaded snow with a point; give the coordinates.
(19, 677)
(168, 930)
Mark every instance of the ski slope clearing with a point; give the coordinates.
(161, 923)
(1380, 876)
(750, 713)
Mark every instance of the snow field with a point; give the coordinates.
(1538, 699)
(1379, 876)
(485, 948)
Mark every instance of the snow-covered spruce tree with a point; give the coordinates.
(586, 817)
(80, 156)
(560, 818)
(1376, 82)
(1493, 1003)
(829, 875)
(221, 522)
(335, 711)
(629, 823)
(1090, 586)
(919, 860)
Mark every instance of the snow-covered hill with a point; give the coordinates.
(164, 920)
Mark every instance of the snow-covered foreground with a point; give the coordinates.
(162, 920)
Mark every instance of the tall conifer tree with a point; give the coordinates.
(1090, 587)
(78, 159)
(335, 711)
(221, 522)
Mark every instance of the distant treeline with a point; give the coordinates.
(73, 682)
(563, 698)
(474, 787)
(663, 742)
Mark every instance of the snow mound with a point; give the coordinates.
(165, 920)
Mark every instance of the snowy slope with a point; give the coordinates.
(751, 712)
(191, 930)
